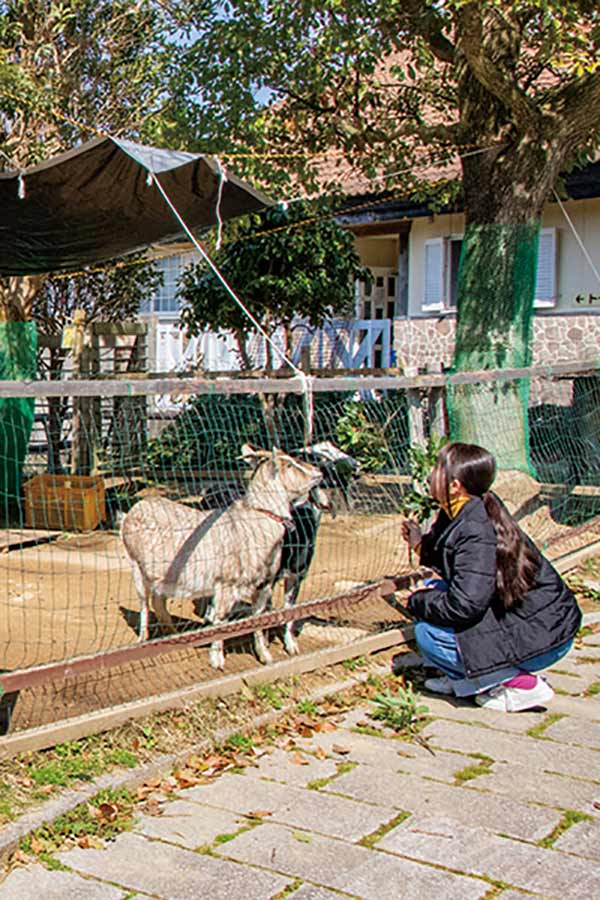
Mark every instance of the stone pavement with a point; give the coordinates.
(349, 813)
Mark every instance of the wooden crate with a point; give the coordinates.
(64, 502)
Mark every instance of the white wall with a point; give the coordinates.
(575, 276)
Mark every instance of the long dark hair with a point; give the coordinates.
(517, 560)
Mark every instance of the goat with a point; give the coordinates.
(231, 555)
(300, 537)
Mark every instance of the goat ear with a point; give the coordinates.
(249, 453)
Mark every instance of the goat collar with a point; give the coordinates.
(283, 520)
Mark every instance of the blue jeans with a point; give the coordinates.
(438, 645)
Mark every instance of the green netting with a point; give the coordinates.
(496, 289)
(18, 349)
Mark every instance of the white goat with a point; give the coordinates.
(231, 555)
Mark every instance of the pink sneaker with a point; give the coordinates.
(516, 699)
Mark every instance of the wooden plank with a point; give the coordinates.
(134, 384)
(92, 723)
(15, 538)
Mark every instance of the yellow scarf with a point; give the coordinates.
(456, 504)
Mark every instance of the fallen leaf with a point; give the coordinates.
(362, 724)
(258, 813)
(36, 845)
(47, 789)
(337, 748)
(298, 760)
(304, 731)
(320, 753)
(405, 753)
(20, 858)
(324, 727)
(108, 811)
(152, 807)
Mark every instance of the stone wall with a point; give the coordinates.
(429, 342)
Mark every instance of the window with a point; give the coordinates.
(442, 258)
(165, 299)
(377, 300)
(546, 286)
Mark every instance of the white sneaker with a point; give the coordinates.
(509, 699)
(441, 685)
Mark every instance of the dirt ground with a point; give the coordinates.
(75, 596)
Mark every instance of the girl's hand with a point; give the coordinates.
(411, 533)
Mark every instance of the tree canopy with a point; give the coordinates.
(402, 83)
(281, 267)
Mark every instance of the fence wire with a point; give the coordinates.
(67, 591)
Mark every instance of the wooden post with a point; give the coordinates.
(78, 402)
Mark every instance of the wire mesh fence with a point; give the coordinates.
(70, 597)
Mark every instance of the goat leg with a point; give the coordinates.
(159, 603)
(142, 590)
(292, 589)
(262, 602)
(214, 615)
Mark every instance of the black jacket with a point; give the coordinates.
(463, 551)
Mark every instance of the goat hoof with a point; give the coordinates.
(265, 658)
(217, 660)
(291, 647)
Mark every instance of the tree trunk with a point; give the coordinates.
(504, 198)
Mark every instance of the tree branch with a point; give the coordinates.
(430, 25)
(497, 82)
(576, 106)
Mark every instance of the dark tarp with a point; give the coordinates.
(94, 203)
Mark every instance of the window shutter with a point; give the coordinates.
(435, 273)
(545, 287)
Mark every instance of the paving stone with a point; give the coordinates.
(514, 895)
(466, 711)
(571, 684)
(571, 731)
(587, 652)
(182, 823)
(582, 839)
(442, 841)
(396, 756)
(310, 892)
(172, 873)
(408, 792)
(299, 807)
(347, 867)
(279, 765)
(591, 618)
(578, 707)
(539, 787)
(37, 882)
(543, 755)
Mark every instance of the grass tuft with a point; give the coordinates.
(569, 818)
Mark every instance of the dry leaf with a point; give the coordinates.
(108, 811)
(47, 789)
(20, 858)
(405, 753)
(298, 760)
(36, 845)
(152, 807)
(337, 748)
(324, 727)
(258, 814)
(320, 753)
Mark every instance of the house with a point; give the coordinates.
(406, 317)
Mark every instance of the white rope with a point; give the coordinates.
(222, 180)
(304, 378)
(577, 237)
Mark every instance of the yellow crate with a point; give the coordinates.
(64, 502)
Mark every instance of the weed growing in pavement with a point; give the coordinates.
(307, 708)
(105, 815)
(273, 694)
(538, 730)
(593, 689)
(353, 664)
(401, 711)
(570, 817)
(239, 742)
(483, 767)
